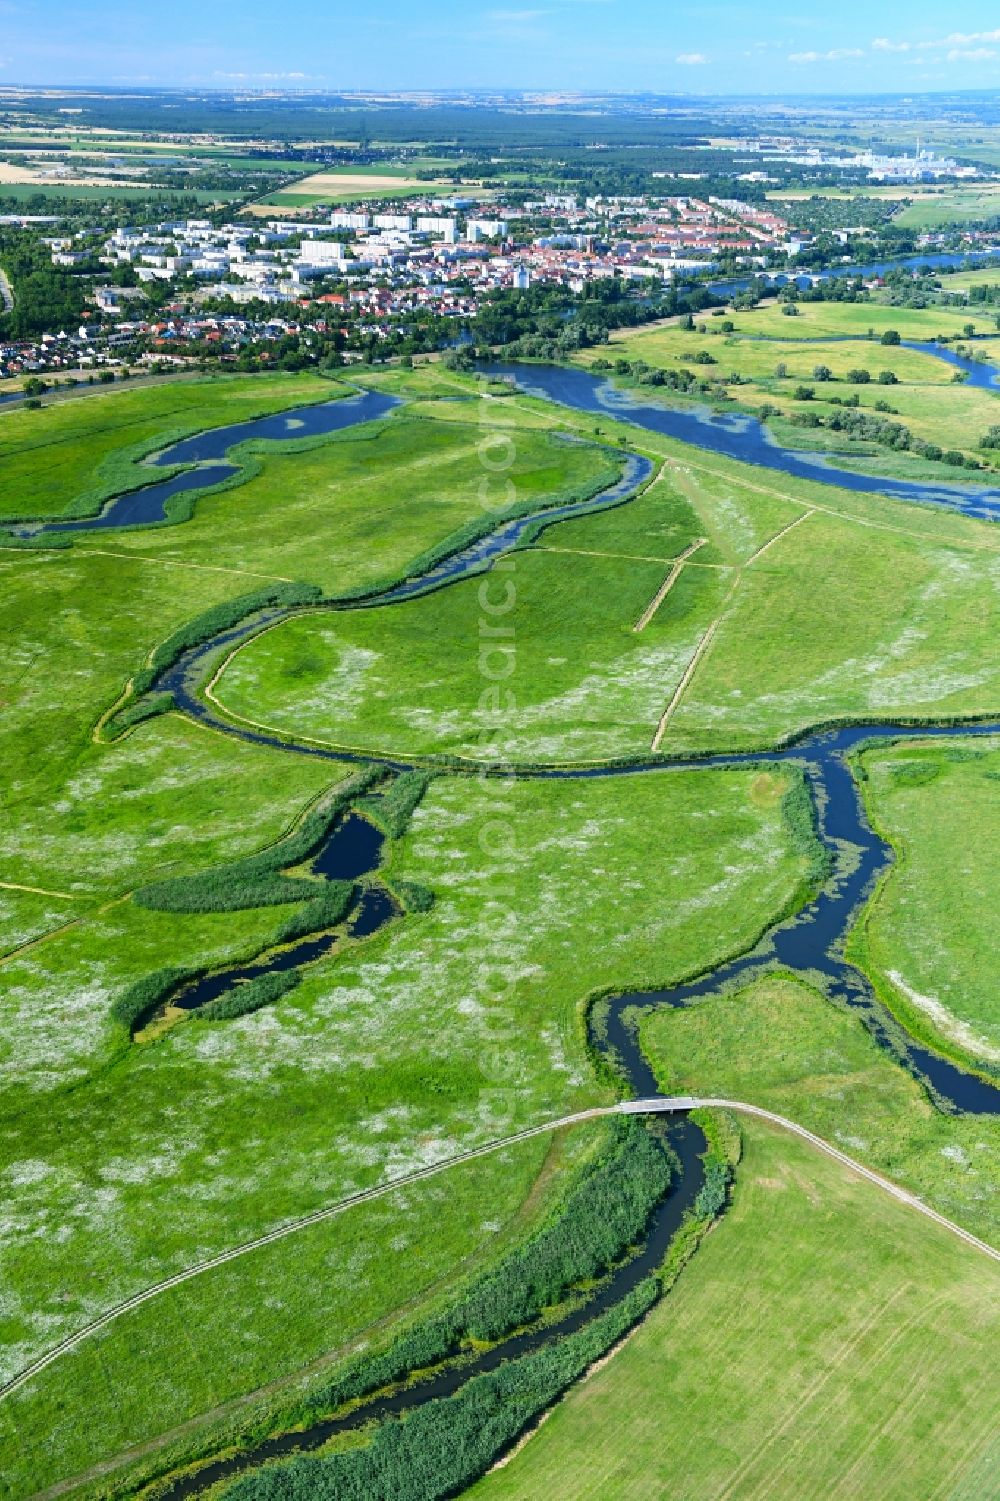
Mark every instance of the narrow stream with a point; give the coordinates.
(687, 1142)
(351, 850)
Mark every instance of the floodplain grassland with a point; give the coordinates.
(855, 320)
(212, 1359)
(72, 449)
(824, 1341)
(780, 1044)
(829, 625)
(774, 356)
(380, 497)
(865, 606)
(440, 1032)
(403, 678)
(925, 938)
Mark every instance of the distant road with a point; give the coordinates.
(6, 293)
(658, 1105)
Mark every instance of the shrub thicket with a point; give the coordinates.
(603, 1215)
(393, 810)
(324, 911)
(413, 895)
(251, 996)
(144, 996)
(441, 1447)
(799, 811)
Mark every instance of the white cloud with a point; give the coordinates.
(691, 59)
(835, 55)
(971, 54)
(959, 45)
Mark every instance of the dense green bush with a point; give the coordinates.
(144, 996)
(413, 895)
(393, 810)
(228, 888)
(712, 1194)
(324, 911)
(256, 880)
(441, 1447)
(799, 812)
(604, 1214)
(139, 710)
(251, 996)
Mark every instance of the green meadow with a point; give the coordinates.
(440, 1032)
(785, 616)
(780, 1044)
(723, 607)
(926, 934)
(85, 450)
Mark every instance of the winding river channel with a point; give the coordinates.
(811, 943)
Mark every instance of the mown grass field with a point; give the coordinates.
(824, 1341)
(929, 931)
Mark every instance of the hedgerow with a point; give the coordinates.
(324, 911)
(603, 1215)
(251, 996)
(441, 1447)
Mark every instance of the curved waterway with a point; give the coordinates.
(351, 851)
(207, 453)
(687, 1142)
(739, 436)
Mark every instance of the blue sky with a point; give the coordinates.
(665, 45)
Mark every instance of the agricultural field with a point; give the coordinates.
(816, 1340)
(172, 707)
(350, 185)
(952, 205)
